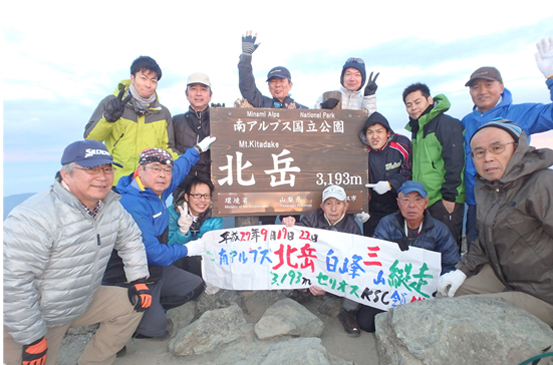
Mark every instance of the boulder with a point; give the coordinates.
(459, 331)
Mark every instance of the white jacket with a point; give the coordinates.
(55, 255)
(353, 100)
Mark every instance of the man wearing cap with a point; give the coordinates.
(492, 100)
(331, 216)
(512, 256)
(143, 195)
(56, 247)
(353, 78)
(389, 159)
(438, 155)
(132, 119)
(413, 226)
(193, 126)
(279, 79)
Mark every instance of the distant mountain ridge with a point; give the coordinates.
(13, 201)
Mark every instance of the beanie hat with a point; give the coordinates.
(150, 155)
(376, 118)
(357, 64)
(502, 123)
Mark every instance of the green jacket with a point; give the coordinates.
(133, 132)
(438, 152)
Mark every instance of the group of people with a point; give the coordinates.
(100, 245)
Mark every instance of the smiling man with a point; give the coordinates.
(143, 195)
(512, 256)
(279, 80)
(132, 119)
(438, 155)
(493, 100)
(389, 160)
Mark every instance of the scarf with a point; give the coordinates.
(141, 103)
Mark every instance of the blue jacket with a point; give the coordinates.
(150, 213)
(434, 236)
(531, 117)
(176, 236)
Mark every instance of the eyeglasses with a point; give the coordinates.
(159, 169)
(199, 196)
(96, 170)
(355, 60)
(495, 148)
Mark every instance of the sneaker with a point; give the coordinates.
(168, 333)
(348, 319)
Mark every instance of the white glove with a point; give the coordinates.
(362, 217)
(185, 219)
(453, 280)
(205, 143)
(381, 187)
(544, 57)
(195, 248)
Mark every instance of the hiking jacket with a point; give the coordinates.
(515, 222)
(250, 92)
(133, 132)
(531, 117)
(438, 154)
(434, 236)
(55, 254)
(353, 100)
(177, 237)
(150, 213)
(316, 219)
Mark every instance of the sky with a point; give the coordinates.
(62, 57)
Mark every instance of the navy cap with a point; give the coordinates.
(280, 72)
(411, 186)
(88, 153)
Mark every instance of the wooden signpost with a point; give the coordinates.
(278, 161)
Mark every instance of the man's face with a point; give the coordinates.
(145, 83)
(486, 93)
(492, 166)
(199, 96)
(334, 209)
(279, 88)
(89, 185)
(155, 176)
(352, 79)
(412, 206)
(199, 199)
(416, 104)
(377, 135)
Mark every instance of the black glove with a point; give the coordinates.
(139, 295)
(371, 87)
(248, 44)
(218, 105)
(35, 353)
(116, 107)
(329, 103)
(403, 243)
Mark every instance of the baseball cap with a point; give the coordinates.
(411, 186)
(87, 153)
(486, 73)
(280, 72)
(199, 78)
(334, 191)
(502, 123)
(150, 155)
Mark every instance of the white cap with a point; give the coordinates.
(199, 78)
(334, 191)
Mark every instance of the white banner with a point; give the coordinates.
(273, 257)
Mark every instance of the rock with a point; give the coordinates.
(331, 305)
(288, 318)
(459, 331)
(182, 316)
(212, 330)
(305, 351)
(221, 299)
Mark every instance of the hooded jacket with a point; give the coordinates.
(515, 223)
(250, 92)
(531, 117)
(438, 155)
(133, 132)
(55, 254)
(355, 100)
(434, 236)
(316, 219)
(391, 163)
